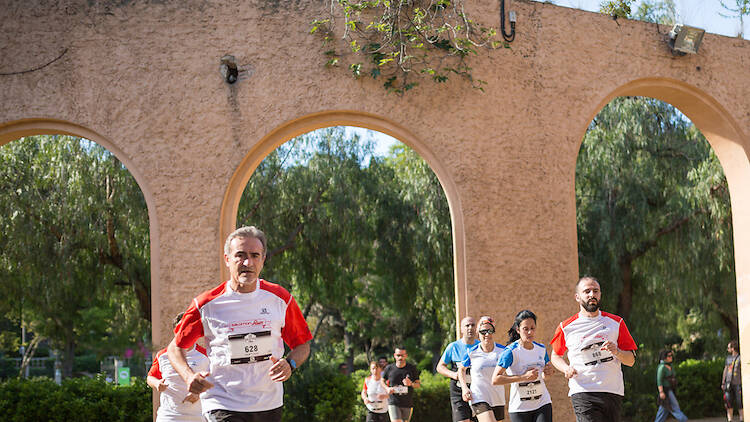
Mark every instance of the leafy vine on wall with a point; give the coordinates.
(403, 41)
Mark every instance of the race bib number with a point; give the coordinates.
(594, 354)
(400, 389)
(530, 390)
(376, 406)
(250, 347)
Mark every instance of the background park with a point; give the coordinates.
(359, 231)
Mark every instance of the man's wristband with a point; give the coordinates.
(292, 363)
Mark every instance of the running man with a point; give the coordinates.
(523, 365)
(453, 355)
(246, 321)
(401, 378)
(597, 343)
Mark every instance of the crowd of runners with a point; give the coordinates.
(246, 321)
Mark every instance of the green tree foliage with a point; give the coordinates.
(363, 242)
(654, 225)
(738, 9)
(74, 255)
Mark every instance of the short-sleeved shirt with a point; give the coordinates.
(394, 377)
(265, 318)
(171, 405)
(454, 354)
(732, 368)
(482, 366)
(516, 359)
(582, 337)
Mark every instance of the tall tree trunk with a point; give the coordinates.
(69, 355)
(625, 300)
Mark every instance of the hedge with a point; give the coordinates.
(76, 399)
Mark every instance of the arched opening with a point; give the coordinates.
(76, 251)
(654, 223)
(310, 123)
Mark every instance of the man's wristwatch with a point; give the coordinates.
(292, 363)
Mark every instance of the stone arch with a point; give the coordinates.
(732, 147)
(305, 124)
(11, 131)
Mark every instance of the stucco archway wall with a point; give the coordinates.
(145, 76)
(349, 118)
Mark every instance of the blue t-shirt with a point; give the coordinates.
(454, 354)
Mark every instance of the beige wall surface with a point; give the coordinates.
(142, 79)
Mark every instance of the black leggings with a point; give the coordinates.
(543, 414)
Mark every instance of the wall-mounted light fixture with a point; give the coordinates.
(512, 18)
(685, 39)
(228, 69)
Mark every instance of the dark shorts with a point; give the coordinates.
(482, 407)
(460, 410)
(377, 417)
(221, 415)
(596, 407)
(399, 413)
(543, 414)
(733, 393)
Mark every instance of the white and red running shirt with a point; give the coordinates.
(582, 337)
(172, 407)
(243, 330)
(374, 388)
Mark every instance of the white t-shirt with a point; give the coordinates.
(373, 388)
(243, 330)
(582, 336)
(516, 359)
(171, 406)
(482, 366)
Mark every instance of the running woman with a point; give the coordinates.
(523, 365)
(176, 403)
(487, 400)
(374, 395)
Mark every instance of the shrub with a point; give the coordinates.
(318, 392)
(76, 399)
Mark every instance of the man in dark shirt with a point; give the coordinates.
(731, 380)
(401, 378)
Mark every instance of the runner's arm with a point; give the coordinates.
(443, 370)
(562, 366)
(499, 377)
(196, 382)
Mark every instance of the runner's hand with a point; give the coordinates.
(407, 382)
(280, 370)
(191, 398)
(466, 394)
(662, 395)
(162, 385)
(531, 375)
(570, 372)
(610, 347)
(197, 382)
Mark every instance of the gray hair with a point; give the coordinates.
(245, 232)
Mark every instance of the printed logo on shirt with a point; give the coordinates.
(264, 311)
(250, 323)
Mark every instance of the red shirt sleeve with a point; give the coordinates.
(190, 328)
(295, 331)
(624, 339)
(155, 371)
(364, 385)
(558, 341)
